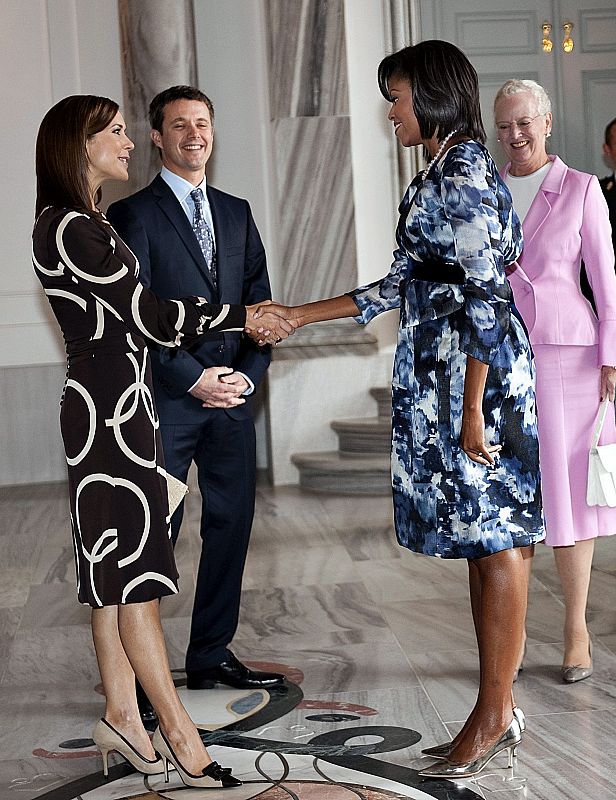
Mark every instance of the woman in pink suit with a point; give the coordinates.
(564, 220)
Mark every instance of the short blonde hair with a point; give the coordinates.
(515, 86)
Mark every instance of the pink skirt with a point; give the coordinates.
(568, 386)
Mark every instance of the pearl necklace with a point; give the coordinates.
(439, 152)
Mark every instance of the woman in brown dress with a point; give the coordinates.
(117, 481)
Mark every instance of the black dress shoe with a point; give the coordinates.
(149, 717)
(232, 673)
(146, 710)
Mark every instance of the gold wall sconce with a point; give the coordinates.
(547, 44)
(567, 41)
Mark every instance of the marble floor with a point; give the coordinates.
(377, 645)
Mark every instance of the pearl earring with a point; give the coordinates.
(548, 134)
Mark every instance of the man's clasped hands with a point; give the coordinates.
(266, 323)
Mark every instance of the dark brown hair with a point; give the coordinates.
(162, 99)
(608, 131)
(61, 157)
(444, 86)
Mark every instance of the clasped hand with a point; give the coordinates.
(220, 387)
(608, 383)
(269, 323)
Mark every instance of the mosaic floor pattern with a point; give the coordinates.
(376, 644)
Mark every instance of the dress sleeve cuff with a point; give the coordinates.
(188, 391)
(251, 386)
(227, 317)
(607, 342)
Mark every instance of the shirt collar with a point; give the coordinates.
(180, 187)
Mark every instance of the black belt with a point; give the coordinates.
(436, 271)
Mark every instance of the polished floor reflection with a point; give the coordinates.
(377, 644)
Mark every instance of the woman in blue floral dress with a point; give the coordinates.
(465, 462)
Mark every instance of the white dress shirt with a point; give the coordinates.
(182, 188)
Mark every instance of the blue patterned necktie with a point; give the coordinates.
(204, 234)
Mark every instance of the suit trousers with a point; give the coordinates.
(224, 452)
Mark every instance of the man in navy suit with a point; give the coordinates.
(205, 243)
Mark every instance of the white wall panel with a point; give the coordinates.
(31, 450)
(517, 33)
(50, 48)
(598, 30)
(66, 47)
(599, 108)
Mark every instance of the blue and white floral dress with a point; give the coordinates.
(445, 504)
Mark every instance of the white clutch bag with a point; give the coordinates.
(601, 489)
(176, 491)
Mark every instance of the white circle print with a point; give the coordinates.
(81, 390)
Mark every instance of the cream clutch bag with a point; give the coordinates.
(176, 491)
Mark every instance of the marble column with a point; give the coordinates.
(325, 371)
(312, 147)
(158, 51)
(402, 18)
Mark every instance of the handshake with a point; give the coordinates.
(269, 323)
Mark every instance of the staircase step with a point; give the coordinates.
(331, 472)
(382, 395)
(363, 437)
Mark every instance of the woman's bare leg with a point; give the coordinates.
(527, 555)
(474, 583)
(139, 633)
(475, 591)
(118, 679)
(574, 564)
(474, 586)
(500, 610)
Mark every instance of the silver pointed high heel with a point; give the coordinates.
(521, 718)
(212, 777)
(107, 738)
(508, 743)
(438, 750)
(442, 751)
(572, 673)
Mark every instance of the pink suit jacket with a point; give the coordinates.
(568, 221)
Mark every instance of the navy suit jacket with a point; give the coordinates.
(155, 227)
(608, 187)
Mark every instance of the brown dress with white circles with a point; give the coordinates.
(117, 485)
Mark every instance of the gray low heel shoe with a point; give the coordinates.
(572, 673)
